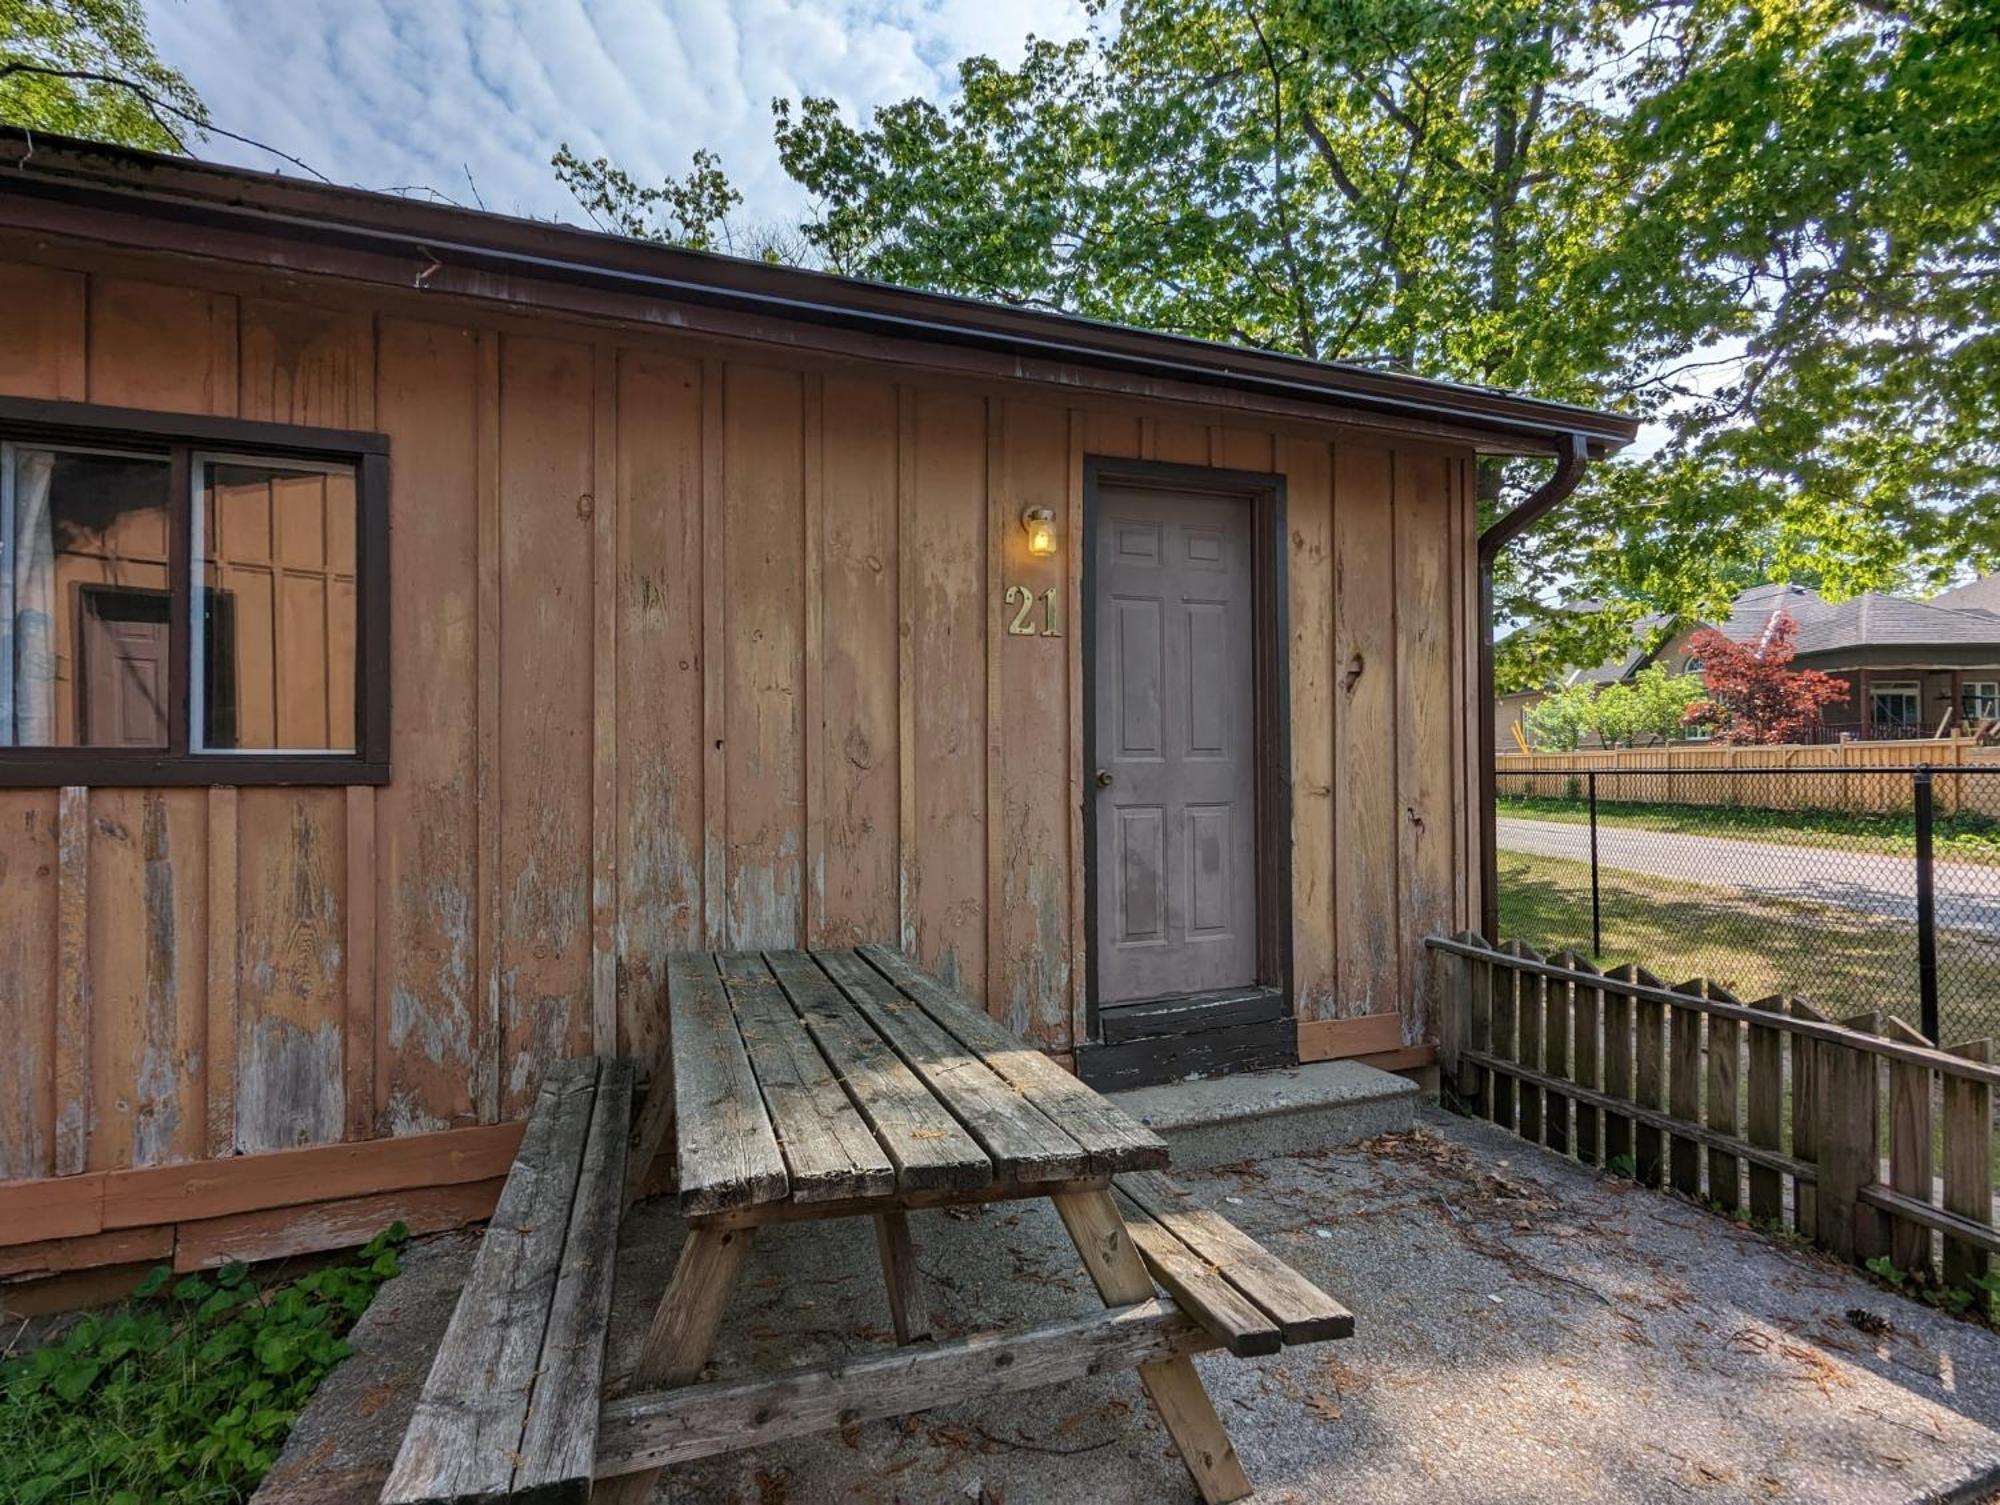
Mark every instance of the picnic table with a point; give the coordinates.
(810, 1085)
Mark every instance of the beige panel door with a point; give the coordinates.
(123, 679)
(1173, 765)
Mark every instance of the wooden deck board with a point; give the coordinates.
(1113, 1139)
(728, 1151)
(928, 1147)
(559, 1441)
(1304, 1313)
(830, 1152)
(1025, 1145)
(464, 1439)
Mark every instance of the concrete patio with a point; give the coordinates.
(1528, 1331)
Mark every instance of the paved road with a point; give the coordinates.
(1968, 894)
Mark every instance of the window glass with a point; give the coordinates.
(1893, 703)
(273, 622)
(84, 591)
(1979, 699)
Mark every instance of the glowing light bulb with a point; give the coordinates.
(1039, 523)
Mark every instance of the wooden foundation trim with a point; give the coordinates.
(68, 1207)
(1337, 1039)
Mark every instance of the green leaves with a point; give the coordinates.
(61, 67)
(184, 1394)
(1772, 227)
(1651, 707)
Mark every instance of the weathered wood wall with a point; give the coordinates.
(692, 645)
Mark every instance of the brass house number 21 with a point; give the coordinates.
(1024, 601)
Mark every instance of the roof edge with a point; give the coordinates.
(171, 188)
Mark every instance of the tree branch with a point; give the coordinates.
(157, 108)
(1328, 155)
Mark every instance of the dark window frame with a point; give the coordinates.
(178, 438)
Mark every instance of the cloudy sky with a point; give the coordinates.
(387, 93)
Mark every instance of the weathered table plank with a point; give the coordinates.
(829, 1151)
(926, 1144)
(559, 1443)
(728, 1151)
(649, 1431)
(1304, 1313)
(464, 1439)
(1023, 1143)
(1230, 1317)
(1113, 1139)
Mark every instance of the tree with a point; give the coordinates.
(1754, 695)
(1562, 718)
(87, 68)
(1650, 706)
(1771, 225)
(694, 211)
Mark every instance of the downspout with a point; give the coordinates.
(1551, 494)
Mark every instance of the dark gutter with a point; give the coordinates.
(1550, 495)
(433, 238)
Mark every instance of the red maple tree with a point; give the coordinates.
(1754, 695)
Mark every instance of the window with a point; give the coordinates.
(1979, 699)
(1894, 702)
(190, 600)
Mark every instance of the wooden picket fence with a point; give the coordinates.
(1766, 1108)
(1863, 778)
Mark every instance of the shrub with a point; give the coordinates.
(183, 1394)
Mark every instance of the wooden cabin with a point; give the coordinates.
(418, 623)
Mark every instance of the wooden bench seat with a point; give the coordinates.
(510, 1408)
(1248, 1299)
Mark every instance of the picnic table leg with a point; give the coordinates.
(1098, 1230)
(907, 1308)
(683, 1333)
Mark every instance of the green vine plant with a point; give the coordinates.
(186, 1392)
(1981, 1300)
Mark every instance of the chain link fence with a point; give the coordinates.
(1854, 888)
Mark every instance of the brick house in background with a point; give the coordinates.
(1912, 668)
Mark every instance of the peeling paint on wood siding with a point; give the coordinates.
(1365, 605)
(858, 774)
(546, 456)
(774, 588)
(659, 688)
(426, 818)
(292, 856)
(764, 666)
(944, 564)
(1030, 899)
(1308, 465)
(28, 836)
(1425, 720)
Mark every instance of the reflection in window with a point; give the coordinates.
(274, 606)
(1894, 702)
(1979, 699)
(84, 591)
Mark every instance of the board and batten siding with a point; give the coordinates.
(692, 645)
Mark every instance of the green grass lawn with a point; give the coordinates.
(1963, 837)
(1839, 961)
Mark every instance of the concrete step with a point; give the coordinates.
(1220, 1120)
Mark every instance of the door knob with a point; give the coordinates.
(1103, 778)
